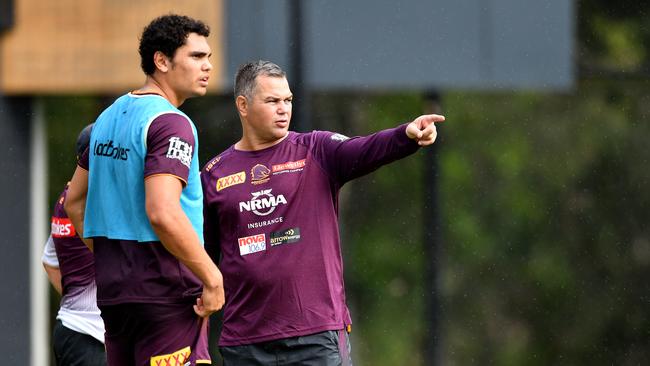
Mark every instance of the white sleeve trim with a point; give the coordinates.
(49, 254)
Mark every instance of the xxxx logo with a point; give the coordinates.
(231, 180)
(178, 358)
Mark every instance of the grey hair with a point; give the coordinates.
(248, 72)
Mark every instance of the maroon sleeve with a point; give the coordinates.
(84, 161)
(347, 158)
(170, 146)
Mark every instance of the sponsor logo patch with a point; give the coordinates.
(212, 163)
(110, 150)
(289, 167)
(231, 180)
(263, 203)
(260, 174)
(178, 358)
(252, 244)
(62, 228)
(181, 150)
(285, 236)
(339, 137)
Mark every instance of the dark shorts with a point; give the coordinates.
(74, 348)
(155, 335)
(329, 348)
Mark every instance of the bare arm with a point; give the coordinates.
(75, 202)
(51, 265)
(175, 231)
(54, 275)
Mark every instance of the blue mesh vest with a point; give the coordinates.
(115, 204)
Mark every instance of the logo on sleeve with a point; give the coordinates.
(181, 150)
(212, 163)
(262, 203)
(62, 228)
(260, 174)
(231, 180)
(285, 236)
(252, 244)
(339, 137)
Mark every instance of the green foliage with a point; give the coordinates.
(381, 235)
(544, 207)
(613, 36)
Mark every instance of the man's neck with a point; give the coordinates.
(247, 143)
(152, 85)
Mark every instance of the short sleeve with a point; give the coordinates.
(84, 162)
(49, 254)
(170, 146)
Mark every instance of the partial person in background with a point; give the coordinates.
(78, 336)
(271, 214)
(137, 195)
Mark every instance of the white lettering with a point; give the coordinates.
(263, 203)
(181, 150)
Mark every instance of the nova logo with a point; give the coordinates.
(62, 228)
(263, 203)
(252, 244)
(231, 180)
(181, 150)
(255, 239)
(109, 150)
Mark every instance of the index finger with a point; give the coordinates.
(434, 117)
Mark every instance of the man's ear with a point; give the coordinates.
(162, 62)
(242, 105)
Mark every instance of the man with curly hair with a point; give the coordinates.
(136, 199)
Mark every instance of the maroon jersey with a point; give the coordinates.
(272, 215)
(75, 259)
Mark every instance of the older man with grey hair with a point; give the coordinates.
(271, 215)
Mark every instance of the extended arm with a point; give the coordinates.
(175, 231)
(354, 157)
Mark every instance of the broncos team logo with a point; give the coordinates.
(260, 174)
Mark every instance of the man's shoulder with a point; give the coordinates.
(218, 161)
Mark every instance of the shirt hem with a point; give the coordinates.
(147, 300)
(273, 337)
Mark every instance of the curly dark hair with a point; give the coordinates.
(166, 34)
